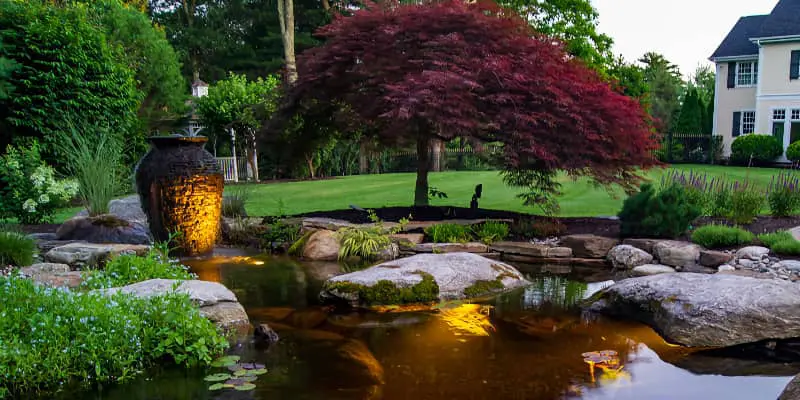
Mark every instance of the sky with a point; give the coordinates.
(686, 32)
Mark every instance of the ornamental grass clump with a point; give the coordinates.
(783, 194)
(94, 157)
(16, 248)
(53, 339)
(716, 236)
(746, 202)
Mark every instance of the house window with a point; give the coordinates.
(747, 73)
(748, 122)
(779, 124)
(795, 115)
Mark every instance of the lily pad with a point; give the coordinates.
(216, 386)
(235, 367)
(247, 378)
(254, 372)
(217, 377)
(252, 366)
(225, 361)
(236, 381)
(241, 372)
(246, 386)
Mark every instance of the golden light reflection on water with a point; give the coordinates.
(468, 319)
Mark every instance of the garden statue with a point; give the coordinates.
(180, 186)
(473, 205)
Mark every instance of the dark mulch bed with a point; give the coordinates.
(574, 226)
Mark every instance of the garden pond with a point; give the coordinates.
(526, 344)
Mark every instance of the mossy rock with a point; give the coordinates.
(423, 278)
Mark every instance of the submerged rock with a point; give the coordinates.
(699, 310)
(264, 334)
(424, 278)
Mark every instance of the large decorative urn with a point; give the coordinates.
(180, 187)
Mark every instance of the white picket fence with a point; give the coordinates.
(234, 168)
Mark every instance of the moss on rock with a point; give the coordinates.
(386, 292)
(482, 287)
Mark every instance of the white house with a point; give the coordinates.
(758, 77)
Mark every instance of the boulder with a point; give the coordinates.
(389, 253)
(407, 239)
(642, 244)
(791, 265)
(472, 247)
(104, 229)
(754, 253)
(792, 390)
(589, 246)
(423, 278)
(44, 268)
(676, 254)
(216, 302)
(70, 279)
(127, 208)
(713, 258)
(700, 310)
(80, 254)
(322, 245)
(652, 269)
(522, 248)
(626, 256)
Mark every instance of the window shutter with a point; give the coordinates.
(794, 67)
(731, 75)
(737, 124)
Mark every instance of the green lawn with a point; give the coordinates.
(580, 198)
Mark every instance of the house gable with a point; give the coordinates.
(737, 43)
(783, 21)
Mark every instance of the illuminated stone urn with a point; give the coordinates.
(180, 187)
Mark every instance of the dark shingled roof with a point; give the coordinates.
(738, 43)
(784, 20)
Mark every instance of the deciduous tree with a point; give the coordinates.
(415, 73)
(665, 85)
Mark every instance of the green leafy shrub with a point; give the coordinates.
(279, 233)
(50, 338)
(759, 149)
(491, 231)
(793, 152)
(746, 202)
(94, 157)
(783, 195)
(31, 192)
(663, 213)
(714, 236)
(127, 269)
(770, 239)
(16, 249)
(719, 198)
(448, 233)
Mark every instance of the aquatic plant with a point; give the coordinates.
(240, 378)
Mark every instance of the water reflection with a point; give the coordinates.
(528, 344)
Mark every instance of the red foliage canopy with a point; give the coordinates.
(452, 69)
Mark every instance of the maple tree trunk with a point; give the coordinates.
(363, 161)
(286, 19)
(423, 166)
(310, 162)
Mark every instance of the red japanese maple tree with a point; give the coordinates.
(412, 73)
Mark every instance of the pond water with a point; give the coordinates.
(523, 345)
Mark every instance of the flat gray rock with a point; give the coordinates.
(202, 293)
(85, 254)
(652, 269)
(700, 310)
(752, 252)
(676, 254)
(128, 208)
(453, 273)
(626, 256)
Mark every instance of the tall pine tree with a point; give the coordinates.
(690, 119)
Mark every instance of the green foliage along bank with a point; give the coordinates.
(52, 339)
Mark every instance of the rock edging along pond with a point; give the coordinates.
(702, 310)
(423, 278)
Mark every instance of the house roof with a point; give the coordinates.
(784, 20)
(738, 43)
